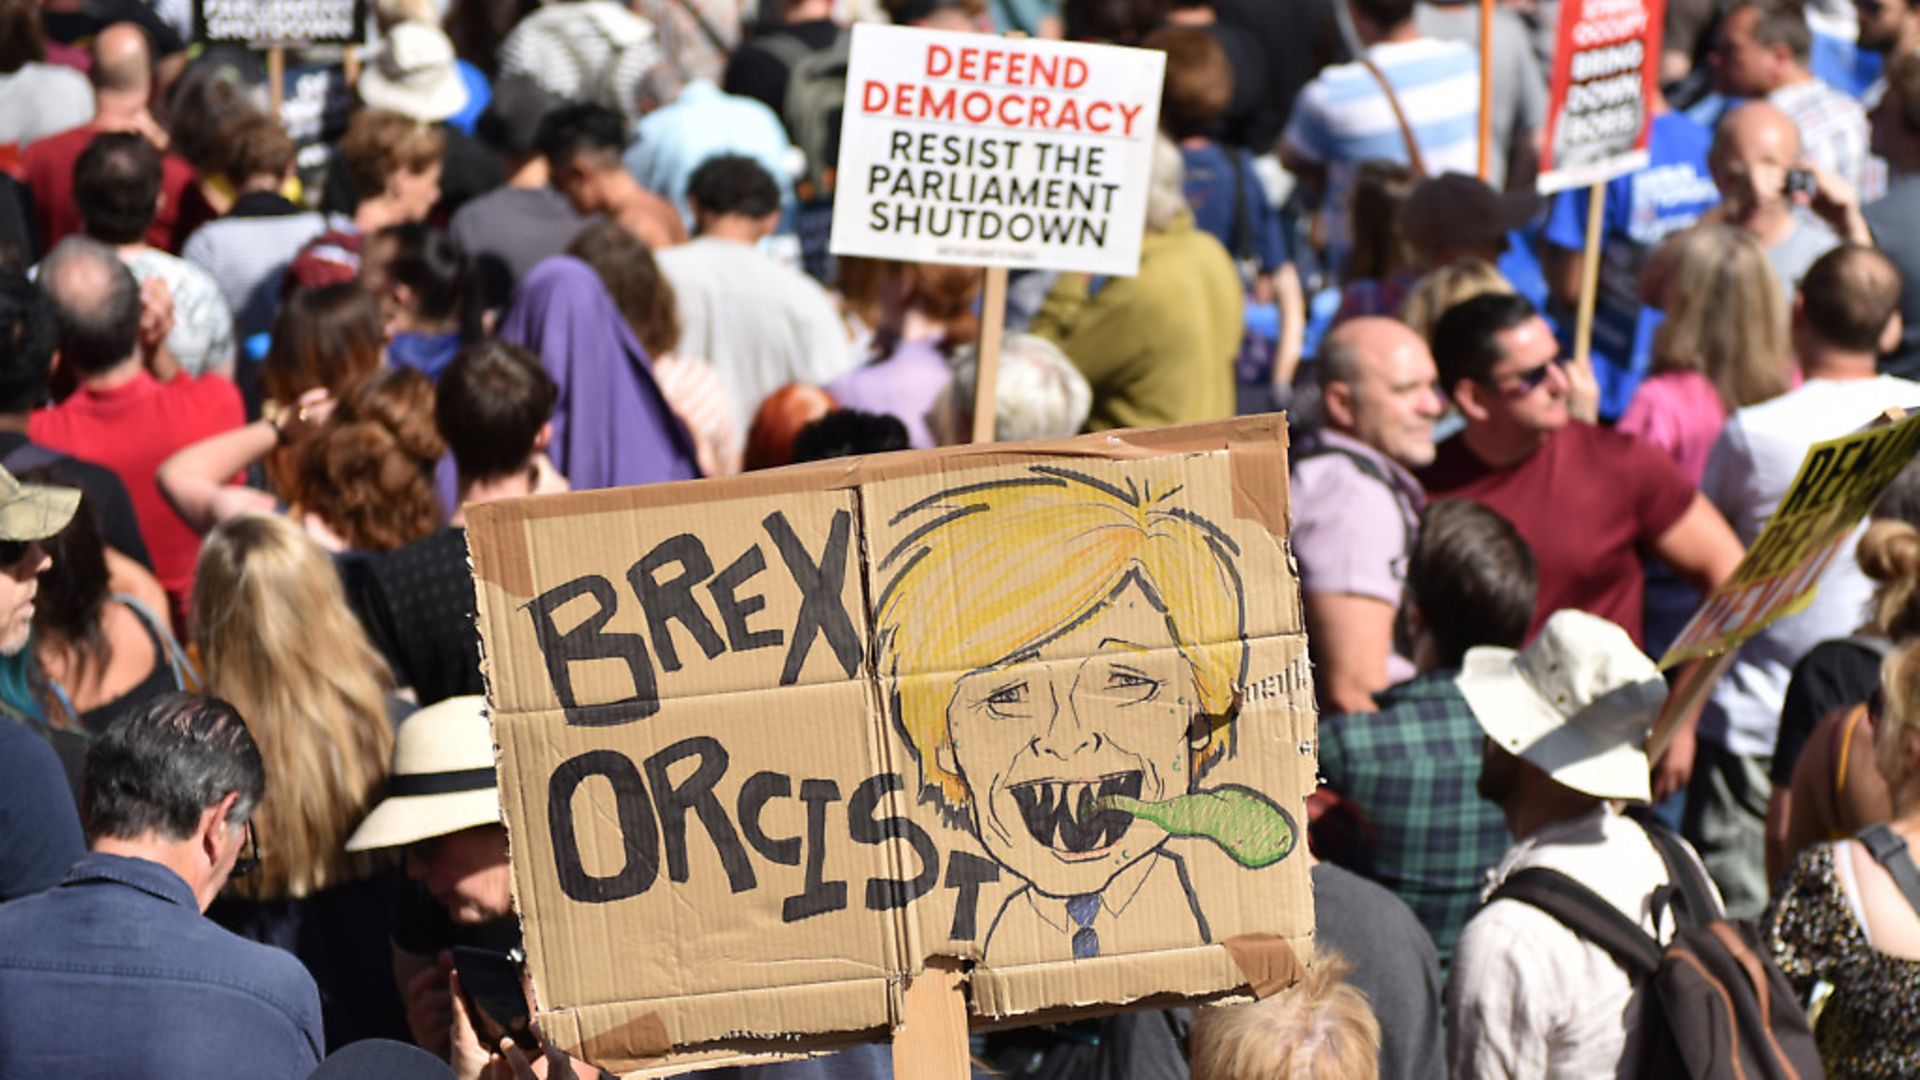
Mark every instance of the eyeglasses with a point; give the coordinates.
(250, 861)
(13, 551)
(1526, 382)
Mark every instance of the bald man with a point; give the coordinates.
(123, 81)
(1755, 148)
(1356, 505)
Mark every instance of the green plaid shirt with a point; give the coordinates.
(1408, 774)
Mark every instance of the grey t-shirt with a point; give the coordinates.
(509, 229)
(1797, 252)
(1519, 85)
(1394, 964)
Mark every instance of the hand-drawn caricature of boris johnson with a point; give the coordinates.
(1051, 640)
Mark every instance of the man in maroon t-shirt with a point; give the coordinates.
(1592, 503)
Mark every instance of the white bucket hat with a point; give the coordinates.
(443, 778)
(414, 74)
(1578, 703)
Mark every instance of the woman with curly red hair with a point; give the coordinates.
(360, 480)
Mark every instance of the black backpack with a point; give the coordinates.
(1716, 1004)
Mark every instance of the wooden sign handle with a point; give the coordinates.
(1589, 275)
(1484, 160)
(931, 1043)
(993, 325)
(276, 81)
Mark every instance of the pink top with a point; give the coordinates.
(1681, 413)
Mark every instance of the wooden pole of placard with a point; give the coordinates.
(1589, 277)
(1486, 91)
(931, 1042)
(993, 322)
(276, 80)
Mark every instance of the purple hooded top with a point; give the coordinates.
(611, 426)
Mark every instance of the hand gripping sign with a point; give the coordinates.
(770, 745)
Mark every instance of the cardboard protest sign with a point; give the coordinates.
(769, 743)
(982, 151)
(311, 22)
(1606, 70)
(1816, 523)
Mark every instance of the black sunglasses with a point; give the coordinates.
(12, 551)
(250, 861)
(1526, 382)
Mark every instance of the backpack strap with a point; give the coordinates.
(1369, 469)
(184, 675)
(707, 29)
(1842, 734)
(1890, 851)
(1414, 160)
(1587, 914)
(1686, 879)
(784, 47)
(30, 456)
(1242, 221)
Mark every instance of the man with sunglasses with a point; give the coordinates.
(117, 972)
(1589, 501)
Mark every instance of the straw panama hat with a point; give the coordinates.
(443, 778)
(414, 74)
(1578, 702)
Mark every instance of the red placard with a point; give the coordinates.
(1605, 75)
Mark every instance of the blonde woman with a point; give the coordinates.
(1435, 292)
(1843, 918)
(1724, 344)
(275, 638)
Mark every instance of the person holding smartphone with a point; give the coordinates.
(443, 809)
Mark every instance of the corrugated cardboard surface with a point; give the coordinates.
(768, 743)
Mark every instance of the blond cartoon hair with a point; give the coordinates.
(989, 573)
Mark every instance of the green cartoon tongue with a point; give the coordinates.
(1246, 824)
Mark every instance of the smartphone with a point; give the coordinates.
(1801, 182)
(494, 985)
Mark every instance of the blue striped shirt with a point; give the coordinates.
(1342, 119)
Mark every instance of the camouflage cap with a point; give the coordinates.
(34, 511)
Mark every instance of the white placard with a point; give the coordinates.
(985, 151)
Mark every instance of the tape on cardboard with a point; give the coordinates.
(1267, 961)
(640, 1041)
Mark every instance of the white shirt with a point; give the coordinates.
(762, 325)
(42, 99)
(1527, 997)
(1756, 457)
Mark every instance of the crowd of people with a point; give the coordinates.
(256, 369)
